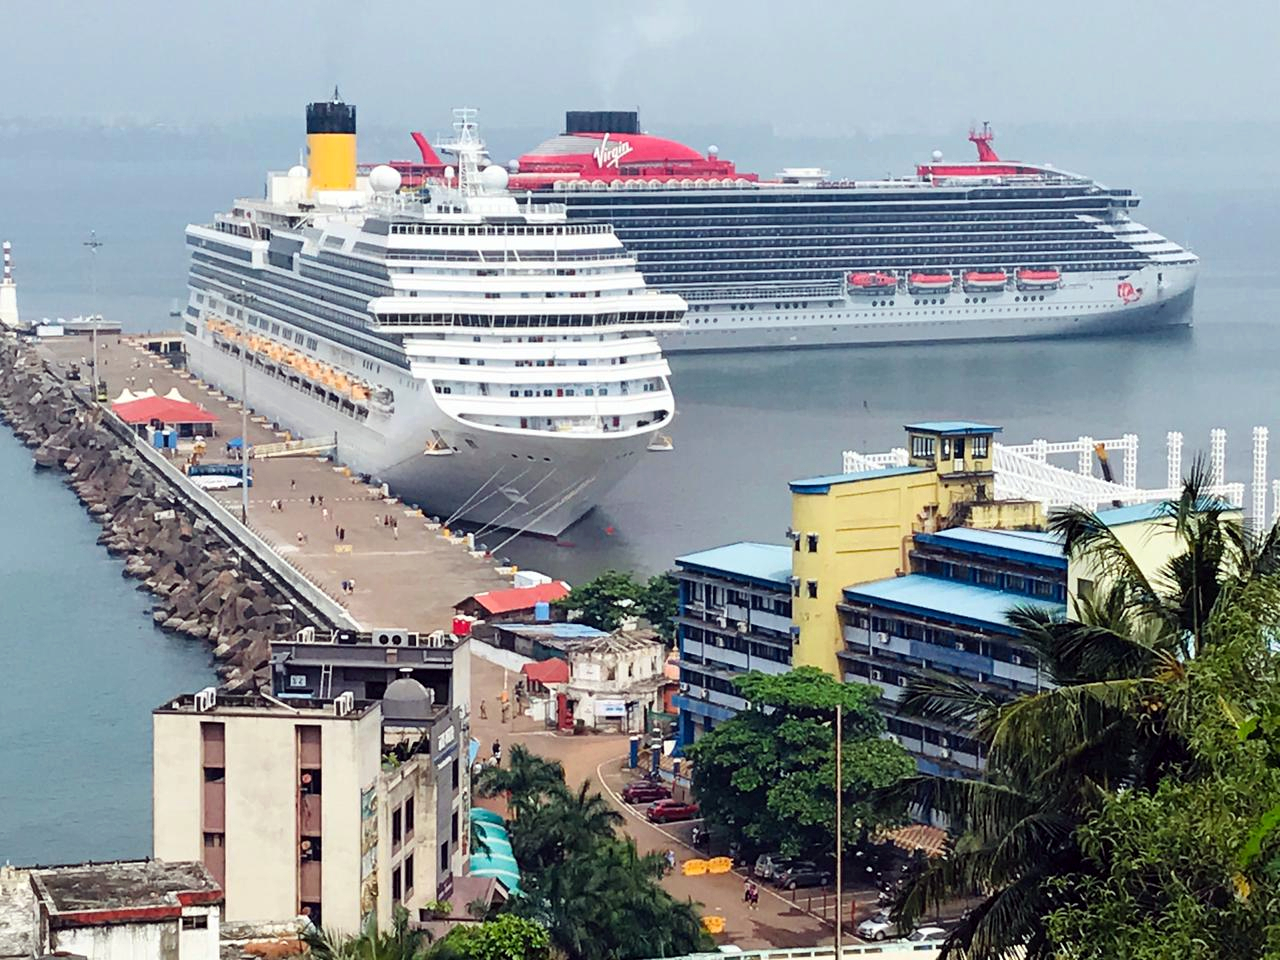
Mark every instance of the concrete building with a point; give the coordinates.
(539, 641)
(857, 527)
(292, 807)
(615, 680)
(948, 619)
(314, 664)
(734, 617)
(128, 910)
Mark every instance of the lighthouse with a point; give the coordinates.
(8, 291)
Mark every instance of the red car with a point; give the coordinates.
(665, 811)
(643, 791)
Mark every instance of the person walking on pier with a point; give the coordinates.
(342, 533)
(324, 513)
(484, 714)
(395, 529)
(313, 499)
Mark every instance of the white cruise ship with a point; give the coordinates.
(493, 363)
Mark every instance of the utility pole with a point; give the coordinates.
(243, 299)
(93, 243)
(839, 837)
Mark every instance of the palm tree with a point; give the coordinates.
(1101, 726)
(401, 942)
(526, 780)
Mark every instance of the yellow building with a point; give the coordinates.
(856, 527)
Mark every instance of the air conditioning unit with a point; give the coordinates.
(437, 638)
(876, 675)
(206, 699)
(892, 738)
(882, 637)
(959, 645)
(684, 688)
(1015, 659)
(394, 637)
(305, 635)
(944, 754)
(722, 622)
(795, 631)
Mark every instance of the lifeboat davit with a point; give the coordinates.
(929, 282)
(872, 283)
(1038, 279)
(985, 280)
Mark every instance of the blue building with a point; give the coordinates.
(734, 617)
(948, 618)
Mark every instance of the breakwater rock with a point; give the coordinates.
(202, 587)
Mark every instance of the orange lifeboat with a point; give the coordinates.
(979, 280)
(872, 284)
(929, 282)
(1029, 279)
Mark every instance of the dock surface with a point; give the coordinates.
(408, 576)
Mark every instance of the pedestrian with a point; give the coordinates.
(671, 859)
(324, 512)
(342, 533)
(336, 528)
(313, 499)
(320, 499)
(746, 890)
(506, 711)
(395, 531)
(753, 895)
(344, 587)
(293, 484)
(351, 585)
(484, 714)
(497, 751)
(302, 538)
(377, 520)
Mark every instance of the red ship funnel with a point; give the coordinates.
(429, 157)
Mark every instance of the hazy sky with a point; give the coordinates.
(829, 67)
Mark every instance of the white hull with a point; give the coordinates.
(1086, 304)
(537, 483)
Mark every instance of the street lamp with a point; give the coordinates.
(839, 839)
(243, 298)
(93, 243)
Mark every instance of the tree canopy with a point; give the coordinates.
(605, 601)
(1074, 827)
(766, 777)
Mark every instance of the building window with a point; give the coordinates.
(922, 447)
(396, 889)
(813, 589)
(980, 447)
(453, 828)
(408, 876)
(1084, 589)
(813, 542)
(396, 835)
(408, 817)
(444, 857)
(199, 923)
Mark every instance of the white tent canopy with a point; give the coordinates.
(125, 397)
(175, 395)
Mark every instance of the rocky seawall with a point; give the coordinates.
(202, 586)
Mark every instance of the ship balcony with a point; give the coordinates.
(574, 428)
(565, 352)
(502, 378)
(645, 406)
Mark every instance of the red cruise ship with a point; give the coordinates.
(769, 262)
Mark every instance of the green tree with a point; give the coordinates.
(1054, 757)
(525, 781)
(605, 601)
(401, 942)
(506, 937)
(767, 776)
(1191, 869)
(594, 894)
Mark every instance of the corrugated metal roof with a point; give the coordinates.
(953, 426)
(769, 562)
(948, 599)
(553, 631)
(823, 484)
(521, 598)
(1034, 545)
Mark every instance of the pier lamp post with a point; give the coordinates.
(93, 243)
(839, 838)
(243, 298)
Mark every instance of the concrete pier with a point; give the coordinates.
(409, 579)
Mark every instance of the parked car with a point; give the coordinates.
(665, 811)
(876, 928)
(769, 865)
(804, 874)
(645, 791)
(926, 935)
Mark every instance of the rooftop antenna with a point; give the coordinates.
(337, 98)
(94, 245)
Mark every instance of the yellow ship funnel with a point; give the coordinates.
(331, 144)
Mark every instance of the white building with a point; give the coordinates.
(615, 678)
(293, 808)
(128, 910)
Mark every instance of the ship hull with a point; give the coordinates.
(1087, 307)
(493, 480)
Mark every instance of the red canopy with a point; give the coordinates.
(521, 598)
(162, 409)
(547, 672)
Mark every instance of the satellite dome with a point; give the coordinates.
(494, 177)
(384, 179)
(712, 150)
(448, 174)
(937, 155)
(298, 171)
(513, 166)
(407, 699)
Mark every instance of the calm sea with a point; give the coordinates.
(83, 666)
